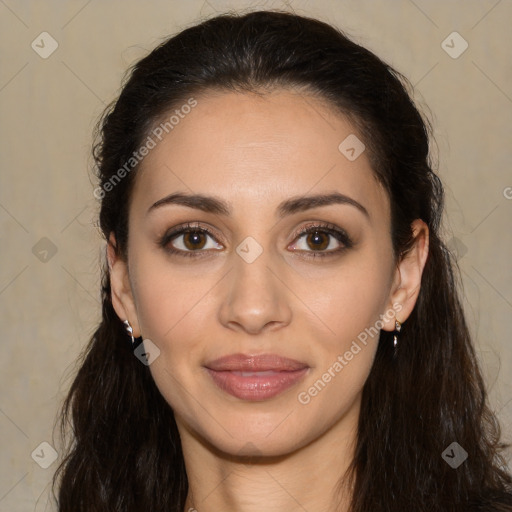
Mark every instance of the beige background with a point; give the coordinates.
(48, 108)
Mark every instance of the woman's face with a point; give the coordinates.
(266, 335)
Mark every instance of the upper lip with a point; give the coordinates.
(261, 362)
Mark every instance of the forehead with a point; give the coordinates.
(245, 148)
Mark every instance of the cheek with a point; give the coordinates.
(350, 304)
(167, 297)
(350, 299)
(343, 360)
(176, 311)
(171, 313)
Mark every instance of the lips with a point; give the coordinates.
(258, 377)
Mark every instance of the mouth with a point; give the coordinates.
(256, 378)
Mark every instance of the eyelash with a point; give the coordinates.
(330, 229)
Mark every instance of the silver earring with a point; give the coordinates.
(129, 329)
(398, 327)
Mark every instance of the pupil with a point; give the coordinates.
(316, 238)
(193, 239)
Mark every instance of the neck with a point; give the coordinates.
(308, 479)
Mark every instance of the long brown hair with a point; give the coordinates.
(124, 452)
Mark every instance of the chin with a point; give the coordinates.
(258, 434)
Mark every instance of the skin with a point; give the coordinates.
(255, 152)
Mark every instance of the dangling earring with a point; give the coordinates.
(129, 329)
(398, 327)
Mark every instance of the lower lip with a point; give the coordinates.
(256, 385)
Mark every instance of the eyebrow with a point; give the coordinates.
(293, 205)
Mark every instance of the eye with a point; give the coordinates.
(189, 239)
(322, 240)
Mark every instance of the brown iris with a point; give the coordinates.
(192, 240)
(314, 239)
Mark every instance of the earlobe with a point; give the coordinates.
(407, 283)
(121, 292)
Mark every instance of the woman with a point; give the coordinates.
(281, 328)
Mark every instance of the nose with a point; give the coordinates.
(255, 299)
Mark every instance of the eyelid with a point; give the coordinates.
(182, 229)
(190, 226)
(330, 229)
(325, 227)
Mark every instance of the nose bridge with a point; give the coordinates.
(255, 297)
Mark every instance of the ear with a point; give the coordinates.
(407, 279)
(122, 296)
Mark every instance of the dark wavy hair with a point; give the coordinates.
(123, 451)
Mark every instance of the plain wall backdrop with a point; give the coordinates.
(50, 247)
